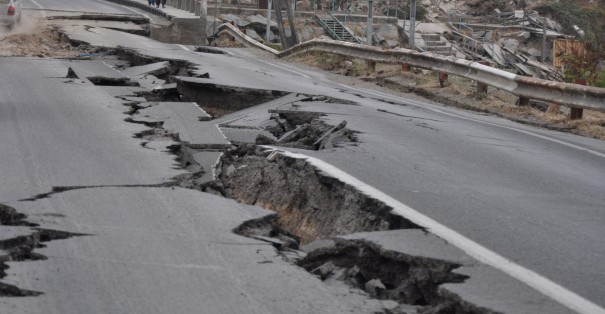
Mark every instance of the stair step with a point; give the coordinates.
(435, 43)
(431, 37)
(438, 49)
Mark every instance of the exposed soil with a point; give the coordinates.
(33, 37)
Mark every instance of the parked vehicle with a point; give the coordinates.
(10, 12)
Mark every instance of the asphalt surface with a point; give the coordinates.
(142, 247)
(533, 196)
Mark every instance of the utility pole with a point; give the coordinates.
(412, 25)
(203, 8)
(543, 39)
(268, 32)
(370, 21)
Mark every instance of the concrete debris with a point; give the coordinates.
(324, 270)
(407, 280)
(253, 34)
(504, 37)
(375, 288)
(233, 19)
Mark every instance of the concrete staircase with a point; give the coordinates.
(435, 43)
(336, 29)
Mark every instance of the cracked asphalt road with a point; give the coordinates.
(149, 249)
(534, 196)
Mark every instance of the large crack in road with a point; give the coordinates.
(309, 206)
(313, 211)
(21, 247)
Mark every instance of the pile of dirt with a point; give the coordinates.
(40, 41)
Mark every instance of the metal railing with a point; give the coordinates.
(337, 29)
(571, 95)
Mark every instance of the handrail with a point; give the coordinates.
(571, 95)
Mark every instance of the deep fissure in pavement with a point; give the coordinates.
(21, 248)
(219, 100)
(311, 206)
(388, 275)
(306, 130)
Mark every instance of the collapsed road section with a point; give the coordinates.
(322, 224)
(309, 205)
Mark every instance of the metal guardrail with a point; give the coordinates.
(571, 95)
(243, 38)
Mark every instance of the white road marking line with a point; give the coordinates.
(37, 4)
(184, 48)
(285, 69)
(542, 284)
(590, 151)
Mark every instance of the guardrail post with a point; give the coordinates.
(406, 67)
(372, 65)
(482, 87)
(523, 101)
(442, 79)
(577, 113)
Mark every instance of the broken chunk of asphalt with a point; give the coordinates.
(219, 100)
(20, 246)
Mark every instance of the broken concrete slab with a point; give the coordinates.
(511, 44)
(244, 135)
(158, 68)
(495, 52)
(124, 26)
(117, 91)
(253, 34)
(218, 99)
(231, 18)
(96, 70)
(148, 81)
(259, 23)
(207, 160)
(418, 243)
(183, 118)
(133, 99)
